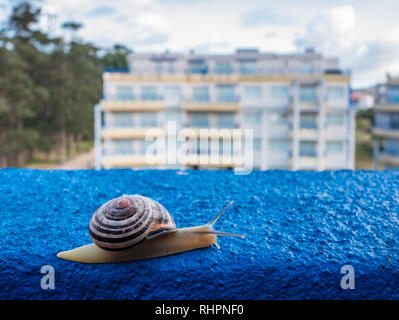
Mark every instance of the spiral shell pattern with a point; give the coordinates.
(124, 222)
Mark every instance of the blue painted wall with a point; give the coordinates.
(301, 228)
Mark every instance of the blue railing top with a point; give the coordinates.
(300, 228)
(113, 69)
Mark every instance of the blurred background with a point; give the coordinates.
(322, 77)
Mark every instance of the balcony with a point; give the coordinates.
(127, 161)
(386, 132)
(336, 133)
(208, 161)
(337, 106)
(394, 107)
(130, 133)
(211, 133)
(132, 105)
(309, 105)
(308, 134)
(183, 74)
(196, 106)
(389, 158)
(306, 162)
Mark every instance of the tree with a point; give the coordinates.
(47, 87)
(17, 85)
(73, 27)
(116, 57)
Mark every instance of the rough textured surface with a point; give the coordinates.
(301, 228)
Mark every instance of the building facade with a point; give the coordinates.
(298, 106)
(386, 125)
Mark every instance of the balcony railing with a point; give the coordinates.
(390, 151)
(236, 71)
(133, 97)
(383, 126)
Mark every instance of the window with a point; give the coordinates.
(223, 68)
(123, 119)
(390, 166)
(225, 93)
(335, 119)
(197, 67)
(158, 67)
(200, 94)
(172, 92)
(248, 67)
(307, 67)
(226, 120)
(393, 94)
(225, 147)
(123, 147)
(279, 145)
(279, 118)
(387, 120)
(307, 149)
(148, 119)
(143, 145)
(336, 92)
(254, 92)
(203, 147)
(308, 94)
(199, 120)
(334, 146)
(124, 93)
(171, 67)
(149, 93)
(280, 91)
(173, 116)
(308, 121)
(390, 146)
(253, 118)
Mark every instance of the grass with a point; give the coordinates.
(84, 146)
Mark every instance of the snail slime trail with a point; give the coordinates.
(133, 227)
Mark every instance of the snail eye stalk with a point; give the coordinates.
(217, 232)
(216, 218)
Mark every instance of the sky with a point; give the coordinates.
(363, 34)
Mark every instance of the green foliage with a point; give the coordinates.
(48, 88)
(364, 139)
(116, 57)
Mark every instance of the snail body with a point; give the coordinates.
(134, 227)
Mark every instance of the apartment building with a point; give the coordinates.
(386, 125)
(298, 106)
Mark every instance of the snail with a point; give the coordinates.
(133, 227)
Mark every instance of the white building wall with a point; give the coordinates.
(271, 129)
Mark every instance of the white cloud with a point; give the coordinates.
(152, 20)
(343, 18)
(365, 37)
(332, 31)
(135, 23)
(369, 55)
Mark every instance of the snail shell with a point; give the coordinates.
(124, 222)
